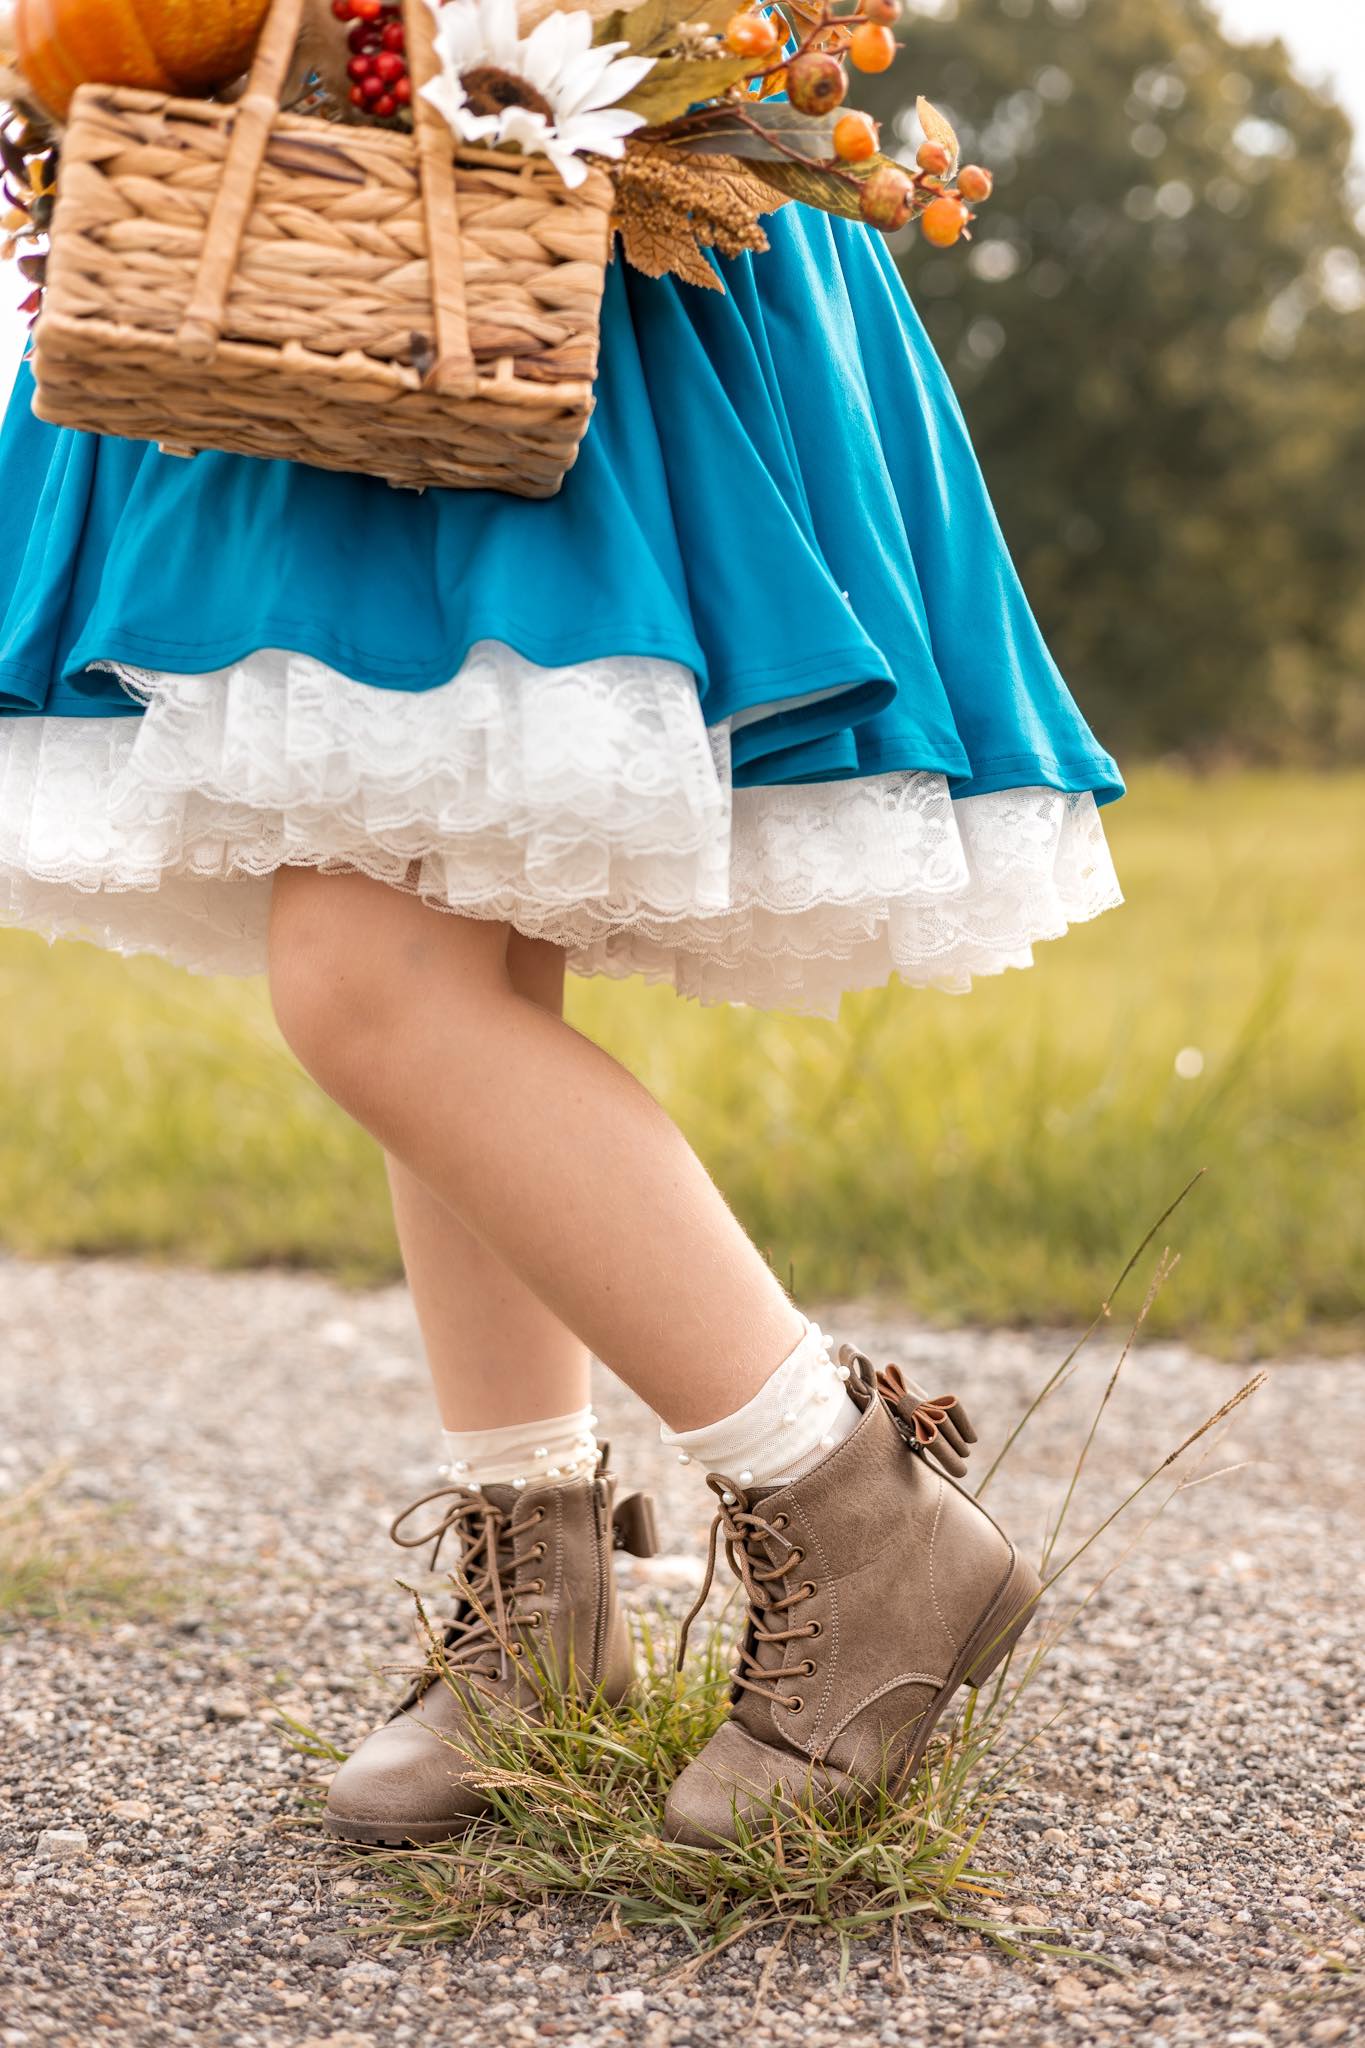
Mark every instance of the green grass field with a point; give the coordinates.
(989, 1159)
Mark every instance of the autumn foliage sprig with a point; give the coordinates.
(28, 152)
(716, 94)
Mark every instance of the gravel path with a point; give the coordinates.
(1195, 1818)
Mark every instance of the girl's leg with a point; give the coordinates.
(555, 1158)
(567, 1175)
(497, 1355)
(853, 1555)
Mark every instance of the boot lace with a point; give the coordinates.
(491, 1602)
(770, 1601)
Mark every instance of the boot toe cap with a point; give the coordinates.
(403, 1784)
(736, 1782)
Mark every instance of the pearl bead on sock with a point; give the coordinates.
(794, 1420)
(556, 1448)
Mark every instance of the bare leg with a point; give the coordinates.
(497, 1355)
(553, 1156)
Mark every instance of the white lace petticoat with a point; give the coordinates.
(587, 805)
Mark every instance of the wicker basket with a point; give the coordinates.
(271, 284)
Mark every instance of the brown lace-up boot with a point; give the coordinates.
(536, 1603)
(876, 1587)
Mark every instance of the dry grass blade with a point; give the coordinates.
(1102, 1315)
(577, 1797)
(1165, 1266)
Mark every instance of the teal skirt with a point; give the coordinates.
(755, 705)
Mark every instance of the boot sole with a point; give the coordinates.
(985, 1650)
(393, 1834)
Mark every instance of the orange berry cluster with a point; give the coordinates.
(870, 43)
(817, 83)
(887, 198)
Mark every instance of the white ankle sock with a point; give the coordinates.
(559, 1447)
(796, 1417)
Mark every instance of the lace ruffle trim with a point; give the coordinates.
(589, 806)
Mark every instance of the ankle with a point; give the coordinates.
(521, 1454)
(799, 1414)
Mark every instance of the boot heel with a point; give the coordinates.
(1009, 1616)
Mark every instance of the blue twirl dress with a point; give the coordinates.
(756, 706)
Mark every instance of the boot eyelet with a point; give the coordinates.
(793, 1705)
(816, 1628)
(809, 1589)
(797, 1556)
(807, 1666)
(780, 1522)
(537, 1550)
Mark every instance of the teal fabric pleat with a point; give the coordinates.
(777, 490)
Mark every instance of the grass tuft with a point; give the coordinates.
(578, 1803)
(68, 1563)
(578, 1793)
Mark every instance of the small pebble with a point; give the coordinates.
(63, 1842)
(131, 1809)
(227, 1707)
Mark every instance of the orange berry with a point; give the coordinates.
(816, 82)
(855, 137)
(974, 183)
(871, 46)
(933, 158)
(751, 35)
(943, 221)
(883, 10)
(885, 198)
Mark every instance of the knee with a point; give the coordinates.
(332, 994)
(364, 979)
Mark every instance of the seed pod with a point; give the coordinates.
(885, 198)
(942, 221)
(855, 137)
(751, 35)
(974, 183)
(816, 82)
(872, 47)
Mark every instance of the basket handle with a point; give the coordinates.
(453, 374)
(201, 327)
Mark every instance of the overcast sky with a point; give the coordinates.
(1326, 36)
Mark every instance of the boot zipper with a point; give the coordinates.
(601, 1551)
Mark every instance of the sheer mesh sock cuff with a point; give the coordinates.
(797, 1416)
(557, 1447)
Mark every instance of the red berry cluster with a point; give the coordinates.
(378, 69)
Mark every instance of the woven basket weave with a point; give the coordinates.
(272, 284)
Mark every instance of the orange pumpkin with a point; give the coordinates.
(180, 46)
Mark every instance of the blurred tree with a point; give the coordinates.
(1159, 339)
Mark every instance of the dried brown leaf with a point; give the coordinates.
(677, 83)
(663, 243)
(814, 185)
(938, 128)
(755, 195)
(651, 26)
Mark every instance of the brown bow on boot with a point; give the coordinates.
(876, 1587)
(536, 1604)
